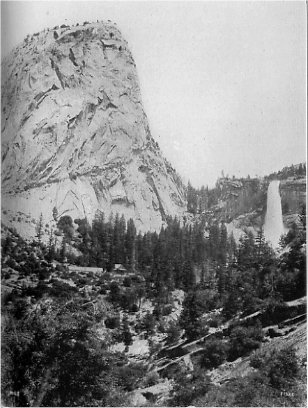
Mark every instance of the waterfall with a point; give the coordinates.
(273, 226)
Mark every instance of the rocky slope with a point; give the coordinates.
(75, 136)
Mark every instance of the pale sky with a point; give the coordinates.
(223, 83)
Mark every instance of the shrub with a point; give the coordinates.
(20, 308)
(187, 389)
(154, 347)
(62, 289)
(151, 378)
(214, 321)
(44, 274)
(60, 268)
(11, 263)
(127, 282)
(112, 322)
(65, 224)
(215, 353)
(114, 292)
(173, 333)
(275, 312)
(244, 339)
(281, 367)
(167, 309)
(148, 323)
(134, 308)
(6, 275)
(161, 327)
(128, 376)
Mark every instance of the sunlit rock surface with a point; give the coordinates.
(75, 135)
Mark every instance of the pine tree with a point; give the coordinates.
(51, 246)
(63, 250)
(247, 249)
(118, 247)
(188, 279)
(40, 229)
(130, 245)
(223, 241)
(192, 199)
(190, 316)
(232, 249)
(55, 213)
(169, 278)
(126, 333)
(214, 238)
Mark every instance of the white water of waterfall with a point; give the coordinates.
(273, 226)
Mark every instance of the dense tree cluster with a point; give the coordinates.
(169, 259)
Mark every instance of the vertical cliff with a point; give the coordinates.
(75, 136)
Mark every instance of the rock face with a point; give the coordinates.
(75, 136)
(293, 194)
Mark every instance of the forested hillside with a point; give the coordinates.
(62, 327)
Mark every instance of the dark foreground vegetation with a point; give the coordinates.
(59, 326)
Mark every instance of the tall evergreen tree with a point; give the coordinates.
(40, 229)
(130, 245)
(223, 244)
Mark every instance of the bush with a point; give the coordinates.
(154, 347)
(60, 268)
(214, 321)
(127, 282)
(44, 274)
(187, 389)
(62, 289)
(244, 339)
(112, 322)
(275, 312)
(20, 309)
(148, 323)
(114, 292)
(167, 309)
(150, 379)
(128, 376)
(250, 391)
(215, 353)
(6, 275)
(281, 367)
(65, 224)
(134, 308)
(173, 333)
(11, 263)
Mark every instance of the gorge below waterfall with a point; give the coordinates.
(273, 225)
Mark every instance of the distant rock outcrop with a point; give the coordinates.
(293, 194)
(75, 136)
